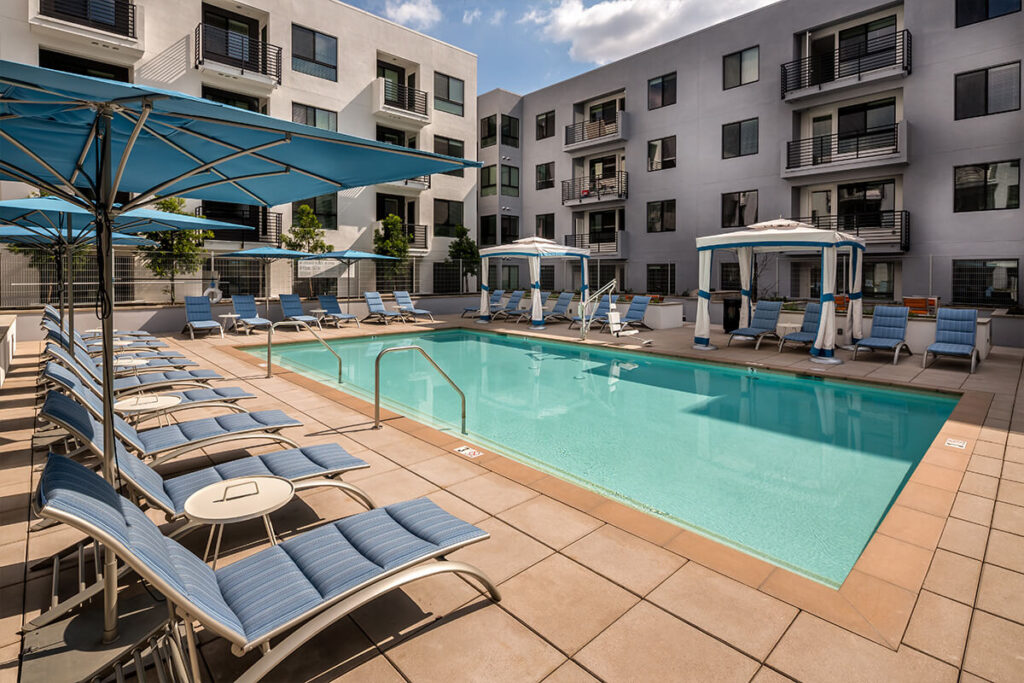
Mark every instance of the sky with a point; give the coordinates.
(524, 45)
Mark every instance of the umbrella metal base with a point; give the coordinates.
(702, 347)
(826, 361)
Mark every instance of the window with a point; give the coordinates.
(739, 209)
(879, 280)
(488, 180)
(986, 282)
(325, 208)
(509, 130)
(80, 65)
(231, 99)
(312, 116)
(545, 175)
(988, 91)
(986, 187)
(661, 153)
(740, 68)
(661, 216)
(972, 11)
(545, 125)
(450, 147)
(546, 225)
(314, 53)
(509, 279)
(602, 226)
(547, 277)
(661, 91)
(488, 231)
(447, 216)
(489, 130)
(739, 139)
(449, 93)
(866, 205)
(510, 180)
(392, 136)
(866, 126)
(868, 46)
(509, 229)
(661, 278)
(729, 277)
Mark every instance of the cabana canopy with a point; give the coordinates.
(784, 235)
(534, 249)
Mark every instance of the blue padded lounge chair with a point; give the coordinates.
(495, 300)
(634, 316)
(85, 367)
(560, 311)
(288, 592)
(199, 317)
(53, 314)
(334, 313)
(406, 306)
(511, 306)
(808, 329)
(291, 309)
(527, 312)
(174, 358)
(248, 317)
(766, 319)
(600, 313)
(377, 312)
(95, 348)
(956, 331)
(888, 332)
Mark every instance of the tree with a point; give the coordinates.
(390, 240)
(306, 234)
(464, 249)
(176, 252)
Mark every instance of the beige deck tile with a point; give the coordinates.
(913, 526)
(928, 499)
(629, 561)
(987, 449)
(939, 627)
(980, 485)
(723, 559)
(649, 645)
(1014, 454)
(1002, 593)
(953, 576)
(885, 606)
(634, 521)
(973, 508)
(1008, 518)
(766, 675)
(1014, 471)
(568, 493)
(964, 538)
(492, 492)
(992, 435)
(507, 552)
(985, 465)
(1006, 550)
(939, 477)
(945, 457)
(993, 648)
(570, 672)
(747, 619)
(458, 507)
(820, 600)
(446, 469)
(549, 521)
(516, 471)
(395, 485)
(1011, 492)
(897, 562)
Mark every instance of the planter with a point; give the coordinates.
(664, 316)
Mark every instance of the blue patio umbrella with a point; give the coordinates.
(267, 255)
(348, 257)
(85, 139)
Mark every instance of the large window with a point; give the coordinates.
(661, 91)
(661, 153)
(509, 130)
(661, 278)
(80, 65)
(314, 53)
(740, 68)
(986, 282)
(868, 46)
(973, 11)
(489, 180)
(450, 147)
(447, 216)
(661, 216)
(510, 180)
(739, 139)
(729, 277)
(314, 116)
(547, 277)
(865, 205)
(449, 94)
(545, 175)
(509, 229)
(879, 280)
(988, 91)
(866, 126)
(546, 225)
(232, 99)
(602, 225)
(739, 209)
(488, 231)
(545, 125)
(325, 208)
(489, 130)
(985, 187)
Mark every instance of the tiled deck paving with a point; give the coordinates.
(597, 590)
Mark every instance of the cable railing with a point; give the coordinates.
(376, 382)
(267, 224)
(605, 186)
(238, 50)
(417, 235)
(116, 16)
(597, 244)
(827, 149)
(582, 131)
(874, 227)
(296, 323)
(406, 98)
(853, 59)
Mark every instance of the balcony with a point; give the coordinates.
(252, 65)
(267, 224)
(106, 30)
(825, 154)
(609, 243)
(880, 58)
(880, 230)
(114, 16)
(594, 189)
(417, 235)
(413, 185)
(397, 103)
(591, 133)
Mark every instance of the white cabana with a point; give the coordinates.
(783, 235)
(534, 249)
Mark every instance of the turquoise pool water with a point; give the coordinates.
(796, 470)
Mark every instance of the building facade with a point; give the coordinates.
(900, 123)
(319, 62)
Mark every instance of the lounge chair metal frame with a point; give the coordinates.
(756, 333)
(59, 354)
(560, 311)
(409, 308)
(294, 300)
(495, 299)
(334, 313)
(377, 311)
(199, 306)
(808, 327)
(880, 313)
(248, 318)
(954, 343)
(511, 306)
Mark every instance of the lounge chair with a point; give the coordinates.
(291, 309)
(299, 587)
(888, 332)
(956, 331)
(53, 314)
(199, 317)
(495, 301)
(377, 312)
(169, 357)
(406, 306)
(511, 306)
(600, 313)
(127, 344)
(85, 367)
(334, 314)
(248, 317)
(766, 319)
(808, 329)
(634, 314)
(527, 312)
(560, 311)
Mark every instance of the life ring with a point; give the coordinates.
(213, 292)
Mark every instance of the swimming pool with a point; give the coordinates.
(796, 470)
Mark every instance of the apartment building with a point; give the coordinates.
(900, 123)
(319, 62)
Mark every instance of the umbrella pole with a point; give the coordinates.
(266, 286)
(69, 292)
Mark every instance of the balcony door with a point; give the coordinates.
(603, 173)
(823, 60)
(821, 131)
(866, 205)
(867, 127)
(868, 46)
(602, 226)
(231, 38)
(821, 208)
(394, 90)
(388, 204)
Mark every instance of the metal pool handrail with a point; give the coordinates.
(376, 382)
(270, 343)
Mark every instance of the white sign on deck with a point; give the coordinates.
(468, 452)
(956, 443)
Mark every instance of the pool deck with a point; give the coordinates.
(593, 589)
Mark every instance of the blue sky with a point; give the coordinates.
(524, 45)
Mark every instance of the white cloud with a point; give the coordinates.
(469, 16)
(611, 29)
(416, 14)
(497, 18)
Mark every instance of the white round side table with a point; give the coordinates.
(232, 319)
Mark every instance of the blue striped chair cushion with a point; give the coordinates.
(203, 324)
(148, 378)
(802, 337)
(766, 315)
(255, 322)
(889, 322)
(812, 318)
(951, 349)
(956, 326)
(181, 433)
(879, 343)
(330, 304)
(751, 331)
(228, 394)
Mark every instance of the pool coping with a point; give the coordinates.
(878, 596)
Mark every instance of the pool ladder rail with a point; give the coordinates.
(297, 323)
(376, 382)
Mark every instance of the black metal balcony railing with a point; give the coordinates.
(417, 235)
(607, 186)
(606, 242)
(267, 224)
(404, 97)
(237, 50)
(116, 16)
(827, 149)
(852, 60)
(418, 180)
(874, 227)
(590, 130)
